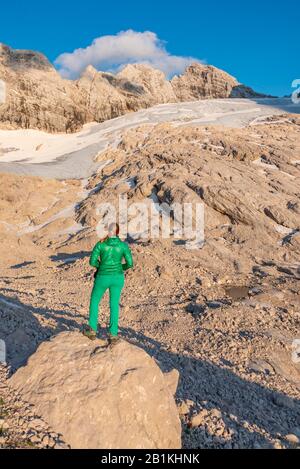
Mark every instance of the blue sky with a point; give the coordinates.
(257, 41)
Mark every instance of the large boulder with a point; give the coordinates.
(101, 397)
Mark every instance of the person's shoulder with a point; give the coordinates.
(98, 244)
(125, 245)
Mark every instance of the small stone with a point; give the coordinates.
(37, 422)
(291, 438)
(183, 408)
(277, 444)
(219, 431)
(46, 440)
(61, 445)
(260, 366)
(198, 420)
(216, 413)
(35, 439)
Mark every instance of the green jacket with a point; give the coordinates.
(107, 256)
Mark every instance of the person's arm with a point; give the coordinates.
(94, 259)
(128, 258)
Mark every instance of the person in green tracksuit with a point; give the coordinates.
(107, 257)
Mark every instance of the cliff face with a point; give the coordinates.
(202, 82)
(38, 97)
(156, 88)
(17, 59)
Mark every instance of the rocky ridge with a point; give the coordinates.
(39, 98)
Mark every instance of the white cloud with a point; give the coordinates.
(113, 52)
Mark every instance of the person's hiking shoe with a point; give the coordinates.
(90, 333)
(113, 339)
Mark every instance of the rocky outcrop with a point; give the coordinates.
(101, 397)
(242, 91)
(203, 81)
(135, 87)
(156, 88)
(228, 172)
(105, 96)
(38, 97)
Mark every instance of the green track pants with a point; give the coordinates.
(115, 284)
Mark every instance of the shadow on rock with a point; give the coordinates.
(210, 387)
(23, 327)
(69, 258)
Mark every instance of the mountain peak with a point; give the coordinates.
(19, 58)
(89, 71)
(34, 86)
